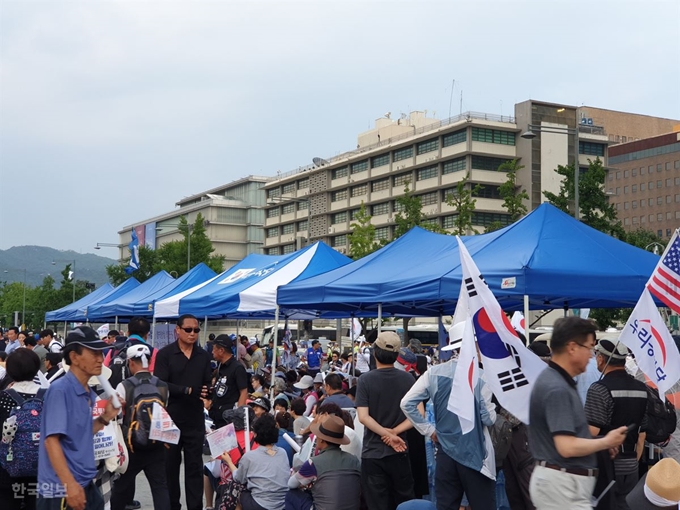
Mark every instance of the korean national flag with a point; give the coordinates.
(510, 369)
(654, 349)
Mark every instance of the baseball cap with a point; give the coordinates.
(455, 337)
(262, 402)
(388, 341)
(87, 337)
(224, 341)
(611, 350)
(305, 382)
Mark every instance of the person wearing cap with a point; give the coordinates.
(314, 356)
(343, 468)
(150, 460)
(559, 437)
(185, 366)
(260, 406)
(231, 380)
(306, 385)
(256, 356)
(386, 477)
(616, 400)
(658, 488)
(66, 465)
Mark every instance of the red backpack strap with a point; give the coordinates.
(152, 363)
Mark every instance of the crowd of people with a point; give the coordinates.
(365, 428)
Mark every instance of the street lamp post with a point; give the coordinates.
(23, 307)
(106, 245)
(73, 276)
(531, 134)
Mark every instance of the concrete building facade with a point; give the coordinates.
(643, 183)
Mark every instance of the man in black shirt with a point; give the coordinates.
(185, 366)
(231, 380)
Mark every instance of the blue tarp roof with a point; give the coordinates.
(121, 290)
(124, 305)
(249, 288)
(548, 255)
(67, 312)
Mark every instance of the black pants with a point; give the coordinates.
(151, 462)
(191, 441)
(517, 468)
(387, 482)
(93, 498)
(452, 479)
(624, 484)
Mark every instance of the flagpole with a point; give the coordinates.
(527, 322)
(379, 317)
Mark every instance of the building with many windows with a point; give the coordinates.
(643, 183)
(234, 214)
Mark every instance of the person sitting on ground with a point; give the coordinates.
(306, 385)
(300, 421)
(261, 406)
(264, 471)
(283, 421)
(257, 382)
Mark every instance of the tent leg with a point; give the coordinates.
(338, 333)
(379, 317)
(205, 331)
(116, 327)
(526, 318)
(153, 332)
(237, 328)
(276, 348)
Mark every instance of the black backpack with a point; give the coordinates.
(140, 396)
(661, 418)
(118, 364)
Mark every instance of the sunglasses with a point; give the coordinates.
(189, 330)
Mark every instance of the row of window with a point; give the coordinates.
(289, 208)
(650, 202)
(591, 148)
(648, 186)
(634, 172)
(288, 188)
(645, 153)
(288, 228)
(493, 136)
(280, 250)
(637, 220)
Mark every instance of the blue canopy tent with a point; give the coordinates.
(121, 290)
(548, 256)
(248, 290)
(124, 306)
(67, 312)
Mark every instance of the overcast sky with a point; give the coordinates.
(113, 111)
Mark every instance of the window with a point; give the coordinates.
(486, 219)
(643, 186)
(634, 204)
(650, 202)
(379, 209)
(273, 251)
(668, 182)
(405, 153)
(288, 228)
(380, 185)
(668, 217)
(643, 219)
(486, 191)
(669, 199)
(427, 146)
(677, 181)
(493, 136)
(634, 172)
(449, 221)
(676, 164)
(289, 188)
(274, 193)
(336, 196)
(659, 167)
(626, 221)
(626, 205)
(273, 212)
(633, 188)
(668, 231)
(642, 203)
(360, 166)
(618, 175)
(381, 233)
(635, 220)
(429, 198)
(273, 232)
(625, 190)
(303, 205)
(289, 248)
(303, 226)
(618, 191)
(339, 172)
(288, 208)
(668, 165)
(453, 138)
(659, 184)
(382, 160)
(650, 185)
(626, 174)
(398, 206)
(642, 170)
(340, 240)
(677, 198)
(487, 163)
(303, 183)
(359, 191)
(659, 233)
(430, 221)
(429, 172)
(650, 169)
(340, 217)
(591, 149)
(651, 218)
(659, 217)
(353, 214)
(453, 165)
(400, 180)
(610, 176)
(447, 192)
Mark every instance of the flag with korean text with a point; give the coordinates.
(133, 265)
(648, 338)
(510, 369)
(462, 396)
(665, 280)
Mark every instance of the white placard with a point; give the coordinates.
(222, 440)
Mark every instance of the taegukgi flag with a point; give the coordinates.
(510, 369)
(648, 338)
(517, 322)
(462, 396)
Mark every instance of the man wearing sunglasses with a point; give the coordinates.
(185, 367)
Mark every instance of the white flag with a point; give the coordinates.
(355, 329)
(103, 330)
(649, 340)
(462, 396)
(510, 369)
(517, 322)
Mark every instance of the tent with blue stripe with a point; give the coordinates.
(122, 289)
(548, 256)
(66, 313)
(248, 290)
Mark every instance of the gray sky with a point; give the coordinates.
(110, 112)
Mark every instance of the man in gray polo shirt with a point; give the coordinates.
(559, 438)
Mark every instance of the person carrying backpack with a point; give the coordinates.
(140, 391)
(138, 333)
(21, 404)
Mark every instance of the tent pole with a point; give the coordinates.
(526, 318)
(153, 332)
(205, 331)
(276, 347)
(116, 322)
(379, 318)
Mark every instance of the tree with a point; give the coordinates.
(147, 267)
(411, 215)
(464, 204)
(646, 239)
(514, 196)
(594, 207)
(362, 239)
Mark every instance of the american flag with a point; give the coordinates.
(665, 280)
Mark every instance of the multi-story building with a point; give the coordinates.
(234, 219)
(643, 183)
